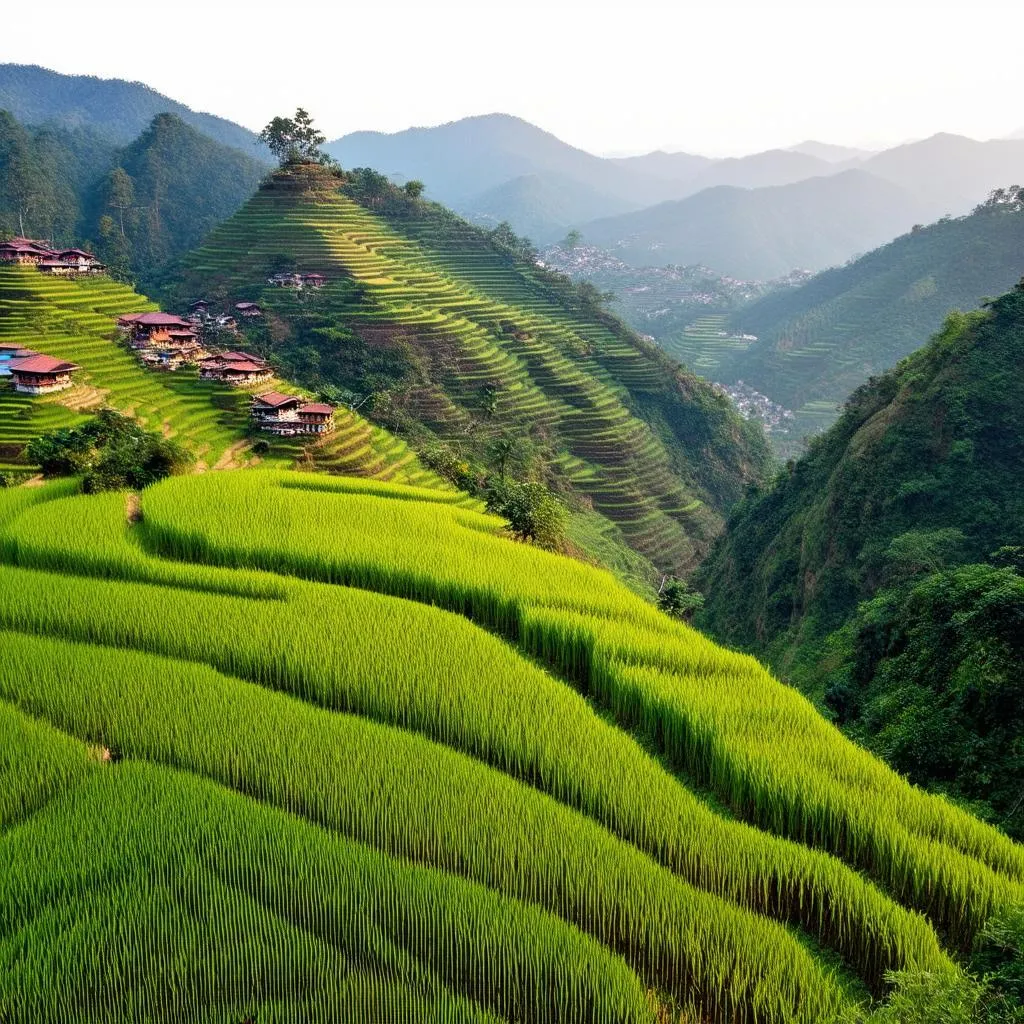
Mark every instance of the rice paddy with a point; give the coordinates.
(289, 747)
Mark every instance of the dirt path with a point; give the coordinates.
(132, 507)
(229, 459)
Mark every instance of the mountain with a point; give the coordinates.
(182, 184)
(675, 167)
(830, 153)
(116, 109)
(760, 170)
(463, 159)
(764, 232)
(950, 173)
(544, 208)
(912, 503)
(140, 205)
(819, 342)
(484, 361)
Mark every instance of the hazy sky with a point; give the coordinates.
(720, 78)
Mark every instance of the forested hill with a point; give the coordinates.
(490, 366)
(819, 342)
(138, 206)
(911, 502)
(114, 109)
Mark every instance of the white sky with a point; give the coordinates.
(722, 78)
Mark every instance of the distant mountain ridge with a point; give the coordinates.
(762, 233)
(112, 107)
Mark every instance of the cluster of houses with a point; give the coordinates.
(60, 262)
(34, 373)
(288, 279)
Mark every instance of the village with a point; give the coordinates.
(167, 342)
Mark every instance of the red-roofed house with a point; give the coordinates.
(41, 375)
(287, 415)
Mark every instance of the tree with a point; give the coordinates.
(572, 239)
(678, 600)
(413, 189)
(293, 139)
(532, 511)
(120, 194)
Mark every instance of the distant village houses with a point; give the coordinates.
(295, 280)
(288, 415)
(249, 310)
(59, 262)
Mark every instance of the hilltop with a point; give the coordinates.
(819, 342)
(911, 503)
(376, 760)
(458, 341)
(76, 321)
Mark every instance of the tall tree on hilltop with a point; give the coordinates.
(294, 139)
(120, 194)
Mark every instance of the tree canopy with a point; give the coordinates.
(294, 139)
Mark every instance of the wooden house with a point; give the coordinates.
(236, 368)
(41, 375)
(143, 325)
(249, 310)
(288, 415)
(314, 280)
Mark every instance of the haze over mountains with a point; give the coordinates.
(497, 167)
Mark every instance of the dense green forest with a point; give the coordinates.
(138, 205)
(819, 342)
(882, 573)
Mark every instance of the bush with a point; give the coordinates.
(110, 452)
(532, 511)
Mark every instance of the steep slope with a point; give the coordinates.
(763, 232)
(819, 342)
(455, 343)
(920, 475)
(183, 185)
(373, 752)
(75, 321)
(116, 109)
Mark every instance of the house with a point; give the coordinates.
(41, 375)
(236, 368)
(250, 310)
(200, 306)
(288, 415)
(143, 325)
(285, 280)
(49, 260)
(314, 280)
(10, 351)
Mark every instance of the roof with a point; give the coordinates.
(247, 305)
(245, 367)
(159, 319)
(275, 398)
(128, 318)
(244, 357)
(77, 252)
(317, 407)
(42, 364)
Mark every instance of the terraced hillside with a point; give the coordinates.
(75, 320)
(377, 762)
(706, 345)
(654, 451)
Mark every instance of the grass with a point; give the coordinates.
(377, 669)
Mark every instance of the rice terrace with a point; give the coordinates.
(391, 632)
